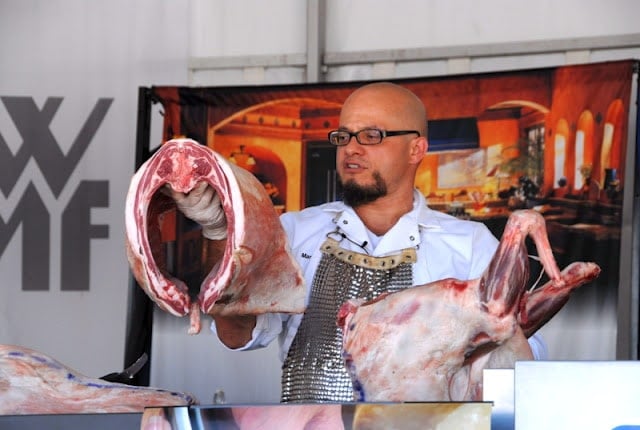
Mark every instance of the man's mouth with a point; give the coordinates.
(353, 165)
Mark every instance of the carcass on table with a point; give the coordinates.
(34, 383)
(431, 342)
(256, 274)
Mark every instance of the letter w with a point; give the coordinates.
(39, 142)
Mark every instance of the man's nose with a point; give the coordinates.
(352, 145)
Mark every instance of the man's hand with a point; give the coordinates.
(235, 331)
(202, 205)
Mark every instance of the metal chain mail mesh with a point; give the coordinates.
(314, 369)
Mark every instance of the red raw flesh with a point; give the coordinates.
(431, 342)
(257, 273)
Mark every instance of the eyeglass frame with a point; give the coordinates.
(383, 135)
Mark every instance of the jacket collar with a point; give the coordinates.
(404, 234)
(425, 216)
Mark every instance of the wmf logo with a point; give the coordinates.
(29, 209)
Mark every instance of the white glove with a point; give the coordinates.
(202, 205)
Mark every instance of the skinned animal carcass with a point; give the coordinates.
(256, 274)
(431, 342)
(34, 383)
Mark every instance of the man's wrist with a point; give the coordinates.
(214, 233)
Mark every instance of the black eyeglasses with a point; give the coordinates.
(366, 136)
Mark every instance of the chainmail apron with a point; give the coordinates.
(314, 369)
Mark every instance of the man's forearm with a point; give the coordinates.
(233, 331)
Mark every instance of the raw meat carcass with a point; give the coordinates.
(34, 383)
(256, 274)
(431, 342)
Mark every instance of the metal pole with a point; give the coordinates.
(316, 24)
(628, 297)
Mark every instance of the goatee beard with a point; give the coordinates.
(354, 194)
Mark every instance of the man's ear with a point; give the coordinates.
(419, 147)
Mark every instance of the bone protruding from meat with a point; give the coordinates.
(510, 264)
(195, 323)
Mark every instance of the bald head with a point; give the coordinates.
(387, 170)
(400, 105)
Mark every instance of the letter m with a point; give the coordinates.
(34, 217)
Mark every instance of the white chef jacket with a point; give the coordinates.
(446, 247)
